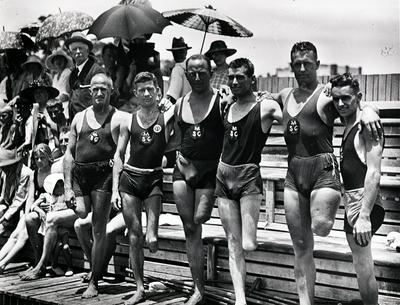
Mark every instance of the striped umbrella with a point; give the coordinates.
(208, 20)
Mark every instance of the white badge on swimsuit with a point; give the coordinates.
(145, 138)
(94, 137)
(233, 133)
(293, 126)
(157, 128)
(196, 132)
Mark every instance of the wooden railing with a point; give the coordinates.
(374, 87)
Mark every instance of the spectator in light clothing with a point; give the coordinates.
(178, 84)
(219, 52)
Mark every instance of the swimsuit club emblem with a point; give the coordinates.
(196, 132)
(94, 137)
(293, 127)
(157, 128)
(233, 133)
(145, 138)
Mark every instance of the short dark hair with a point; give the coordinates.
(303, 46)
(345, 79)
(201, 57)
(65, 129)
(145, 77)
(243, 62)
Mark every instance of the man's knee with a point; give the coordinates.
(321, 225)
(51, 221)
(202, 218)
(190, 229)
(303, 246)
(249, 245)
(135, 236)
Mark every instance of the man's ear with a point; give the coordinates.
(359, 96)
(317, 64)
(291, 67)
(159, 93)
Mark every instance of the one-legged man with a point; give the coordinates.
(312, 185)
(140, 180)
(239, 185)
(88, 168)
(198, 118)
(362, 155)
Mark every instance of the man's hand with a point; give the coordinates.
(262, 95)
(116, 201)
(63, 97)
(372, 122)
(164, 105)
(362, 232)
(328, 89)
(70, 199)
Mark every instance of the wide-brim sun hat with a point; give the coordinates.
(59, 52)
(9, 157)
(32, 60)
(27, 94)
(50, 182)
(219, 46)
(78, 37)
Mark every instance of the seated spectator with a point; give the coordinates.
(11, 85)
(23, 128)
(34, 71)
(58, 153)
(15, 182)
(56, 113)
(60, 64)
(50, 201)
(39, 93)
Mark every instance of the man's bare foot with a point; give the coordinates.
(138, 297)
(22, 273)
(2, 269)
(90, 292)
(33, 274)
(86, 277)
(152, 244)
(196, 299)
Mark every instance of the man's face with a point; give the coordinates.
(219, 58)
(41, 96)
(239, 82)
(147, 94)
(100, 91)
(345, 100)
(55, 112)
(63, 140)
(110, 57)
(79, 51)
(179, 55)
(304, 66)
(198, 75)
(59, 62)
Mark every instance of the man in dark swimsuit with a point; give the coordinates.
(312, 185)
(140, 180)
(239, 185)
(198, 119)
(362, 155)
(88, 165)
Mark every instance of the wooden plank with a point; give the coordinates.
(269, 187)
(375, 90)
(395, 87)
(382, 81)
(362, 79)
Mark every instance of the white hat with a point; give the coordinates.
(50, 182)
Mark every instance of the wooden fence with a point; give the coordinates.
(374, 87)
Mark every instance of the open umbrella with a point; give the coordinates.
(63, 23)
(14, 40)
(208, 20)
(128, 21)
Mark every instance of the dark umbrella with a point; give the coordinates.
(128, 21)
(15, 40)
(63, 23)
(208, 20)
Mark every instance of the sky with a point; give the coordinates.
(357, 33)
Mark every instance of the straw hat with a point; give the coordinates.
(219, 46)
(27, 94)
(58, 52)
(8, 157)
(79, 37)
(50, 182)
(179, 44)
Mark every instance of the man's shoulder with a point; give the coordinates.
(26, 171)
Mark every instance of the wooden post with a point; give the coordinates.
(269, 186)
(211, 261)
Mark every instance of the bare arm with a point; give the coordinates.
(270, 111)
(31, 196)
(124, 135)
(371, 121)
(68, 163)
(373, 155)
